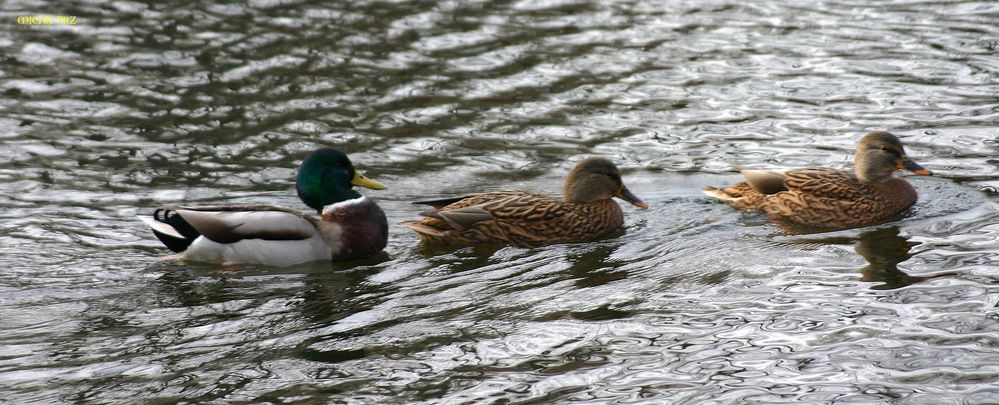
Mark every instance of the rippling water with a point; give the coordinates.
(693, 303)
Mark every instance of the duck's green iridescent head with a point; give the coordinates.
(326, 177)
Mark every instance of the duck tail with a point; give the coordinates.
(719, 194)
(171, 229)
(423, 230)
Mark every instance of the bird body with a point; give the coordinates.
(350, 228)
(830, 198)
(530, 219)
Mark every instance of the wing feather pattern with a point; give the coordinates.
(228, 226)
(520, 218)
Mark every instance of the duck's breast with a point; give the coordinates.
(593, 219)
(897, 195)
(354, 229)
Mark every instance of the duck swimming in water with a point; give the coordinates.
(349, 226)
(527, 219)
(831, 198)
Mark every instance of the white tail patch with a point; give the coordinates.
(160, 227)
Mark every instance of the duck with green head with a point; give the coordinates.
(350, 225)
(527, 219)
(830, 198)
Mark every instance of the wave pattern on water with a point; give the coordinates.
(693, 302)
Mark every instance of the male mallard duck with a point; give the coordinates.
(351, 226)
(527, 219)
(830, 198)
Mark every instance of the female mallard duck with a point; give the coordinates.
(351, 226)
(829, 198)
(527, 219)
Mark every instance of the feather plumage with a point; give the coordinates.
(350, 226)
(529, 219)
(830, 198)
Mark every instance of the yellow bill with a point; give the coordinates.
(361, 181)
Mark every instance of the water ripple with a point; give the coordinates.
(691, 303)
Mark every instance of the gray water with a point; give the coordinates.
(143, 104)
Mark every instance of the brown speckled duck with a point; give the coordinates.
(830, 198)
(527, 219)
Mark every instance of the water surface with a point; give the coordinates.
(143, 104)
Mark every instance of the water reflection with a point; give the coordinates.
(884, 249)
(217, 101)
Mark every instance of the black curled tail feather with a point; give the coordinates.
(178, 223)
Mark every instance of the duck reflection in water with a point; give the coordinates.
(884, 249)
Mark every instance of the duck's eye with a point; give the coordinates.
(885, 148)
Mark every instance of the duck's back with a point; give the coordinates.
(526, 219)
(829, 198)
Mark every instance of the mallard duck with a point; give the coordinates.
(350, 225)
(830, 198)
(528, 219)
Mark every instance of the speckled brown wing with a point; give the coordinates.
(829, 198)
(476, 199)
(520, 218)
(816, 197)
(823, 182)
